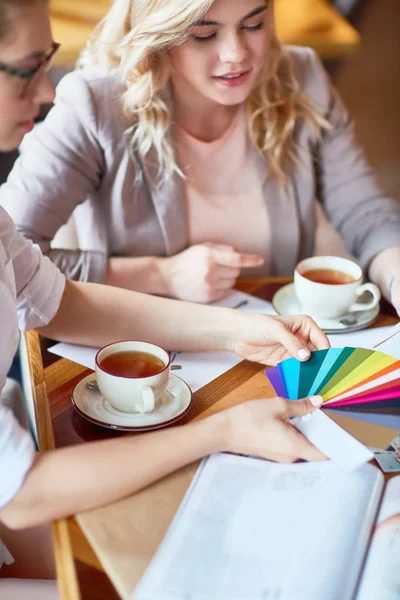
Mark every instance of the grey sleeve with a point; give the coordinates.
(367, 220)
(61, 163)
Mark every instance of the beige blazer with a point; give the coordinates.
(81, 152)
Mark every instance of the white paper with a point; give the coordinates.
(198, 368)
(381, 575)
(367, 338)
(338, 445)
(251, 530)
(390, 341)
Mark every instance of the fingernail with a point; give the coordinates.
(303, 353)
(316, 400)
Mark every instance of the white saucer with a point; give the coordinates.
(286, 303)
(91, 405)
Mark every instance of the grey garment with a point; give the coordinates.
(81, 152)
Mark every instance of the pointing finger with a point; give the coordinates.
(238, 260)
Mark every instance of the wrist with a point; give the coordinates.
(232, 327)
(211, 435)
(162, 267)
(218, 432)
(159, 275)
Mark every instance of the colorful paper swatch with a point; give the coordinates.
(347, 378)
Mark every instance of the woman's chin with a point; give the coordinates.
(10, 141)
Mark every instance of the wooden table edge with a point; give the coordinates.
(65, 567)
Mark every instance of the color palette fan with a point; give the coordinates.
(347, 378)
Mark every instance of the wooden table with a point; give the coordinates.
(80, 573)
(313, 23)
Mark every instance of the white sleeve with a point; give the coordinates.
(17, 452)
(39, 285)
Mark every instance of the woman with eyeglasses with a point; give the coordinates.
(36, 487)
(203, 148)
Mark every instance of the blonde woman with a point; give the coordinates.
(204, 149)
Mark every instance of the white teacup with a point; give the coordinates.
(133, 391)
(333, 299)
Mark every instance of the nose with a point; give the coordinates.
(233, 49)
(44, 91)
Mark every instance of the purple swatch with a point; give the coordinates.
(274, 376)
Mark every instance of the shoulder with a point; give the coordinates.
(93, 93)
(99, 80)
(310, 73)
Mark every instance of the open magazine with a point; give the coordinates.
(250, 529)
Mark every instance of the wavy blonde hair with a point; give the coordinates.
(135, 36)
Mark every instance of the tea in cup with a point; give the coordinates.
(132, 375)
(328, 287)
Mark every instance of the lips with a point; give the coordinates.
(26, 125)
(231, 75)
(232, 79)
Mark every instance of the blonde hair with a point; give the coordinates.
(135, 36)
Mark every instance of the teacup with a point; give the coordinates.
(132, 375)
(328, 287)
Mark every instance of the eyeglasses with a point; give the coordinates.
(31, 78)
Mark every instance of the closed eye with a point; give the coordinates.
(254, 27)
(211, 36)
(204, 38)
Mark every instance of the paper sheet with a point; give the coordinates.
(381, 575)
(338, 445)
(390, 342)
(259, 526)
(366, 338)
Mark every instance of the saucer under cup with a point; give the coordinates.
(285, 302)
(171, 406)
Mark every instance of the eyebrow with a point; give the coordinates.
(253, 13)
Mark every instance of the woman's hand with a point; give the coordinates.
(262, 428)
(205, 272)
(269, 339)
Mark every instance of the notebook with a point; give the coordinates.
(250, 529)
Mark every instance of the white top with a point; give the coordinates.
(30, 292)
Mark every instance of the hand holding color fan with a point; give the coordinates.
(347, 378)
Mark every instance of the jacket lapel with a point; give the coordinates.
(169, 205)
(284, 218)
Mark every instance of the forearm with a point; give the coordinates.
(97, 315)
(384, 267)
(141, 274)
(80, 478)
